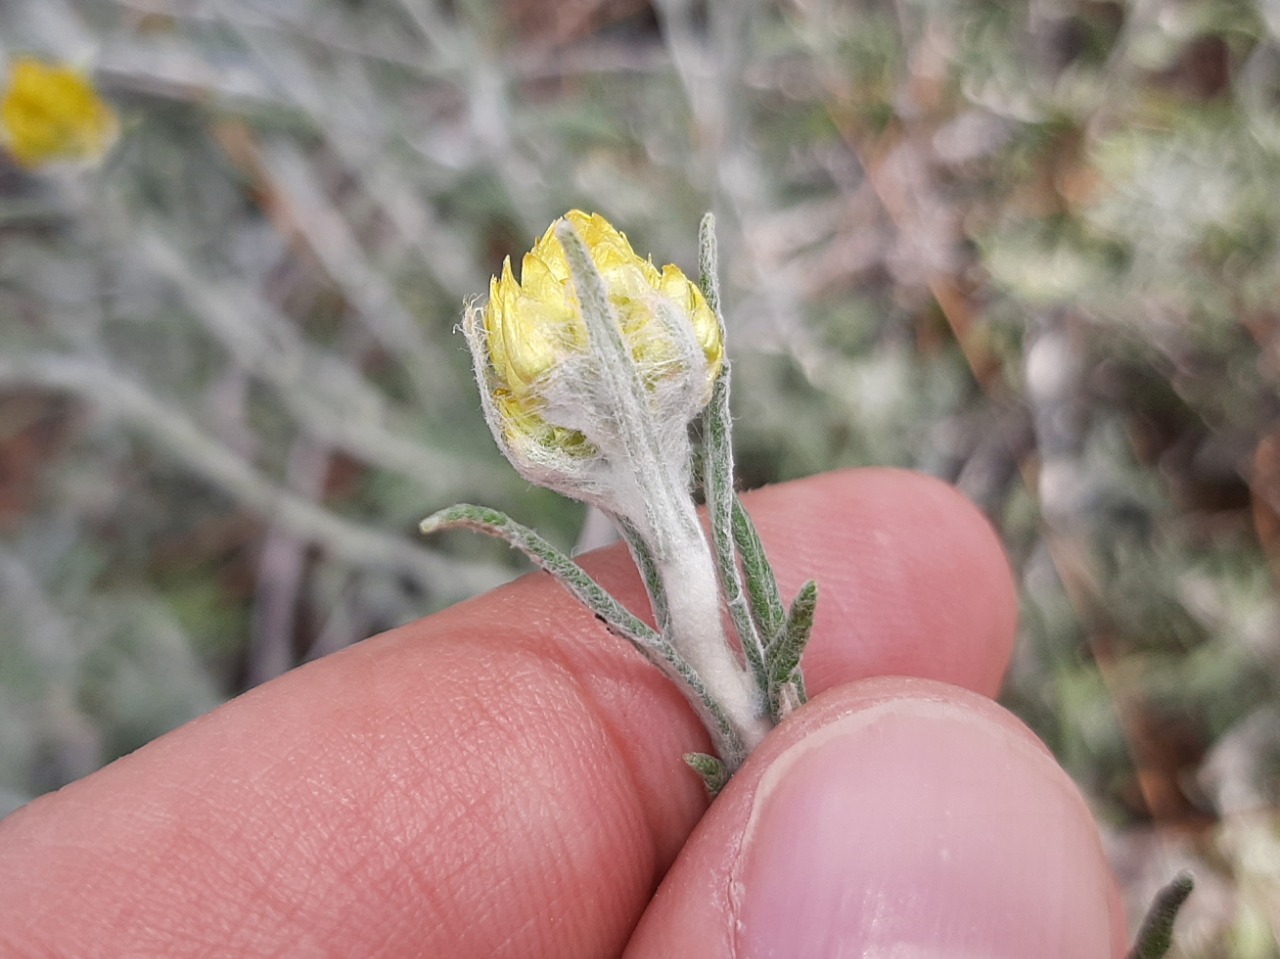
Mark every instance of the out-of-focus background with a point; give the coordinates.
(1031, 247)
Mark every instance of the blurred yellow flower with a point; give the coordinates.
(534, 343)
(53, 113)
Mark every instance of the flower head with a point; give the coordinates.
(561, 382)
(53, 113)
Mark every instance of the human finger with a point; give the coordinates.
(893, 817)
(499, 779)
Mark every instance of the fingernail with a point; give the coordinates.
(917, 829)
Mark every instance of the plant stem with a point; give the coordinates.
(692, 591)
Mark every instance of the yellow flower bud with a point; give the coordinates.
(535, 352)
(53, 113)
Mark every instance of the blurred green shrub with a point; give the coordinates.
(1030, 248)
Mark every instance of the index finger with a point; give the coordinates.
(502, 779)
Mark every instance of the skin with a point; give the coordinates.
(504, 779)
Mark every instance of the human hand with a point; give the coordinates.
(504, 779)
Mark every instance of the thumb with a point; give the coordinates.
(892, 817)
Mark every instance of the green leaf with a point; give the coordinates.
(1155, 936)
(717, 481)
(784, 655)
(714, 773)
(569, 574)
(762, 585)
(717, 474)
(709, 266)
(616, 617)
(786, 680)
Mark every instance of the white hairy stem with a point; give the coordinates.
(692, 590)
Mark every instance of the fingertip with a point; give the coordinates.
(894, 817)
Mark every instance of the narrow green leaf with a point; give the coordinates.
(784, 655)
(569, 574)
(762, 585)
(717, 481)
(616, 617)
(618, 393)
(1155, 936)
(717, 471)
(714, 773)
(786, 680)
(709, 266)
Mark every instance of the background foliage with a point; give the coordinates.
(1030, 247)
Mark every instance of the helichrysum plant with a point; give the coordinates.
(593, 366)
(52, 114)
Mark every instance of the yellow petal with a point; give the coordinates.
(706, 327)
(501, 301)
(541, 277)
